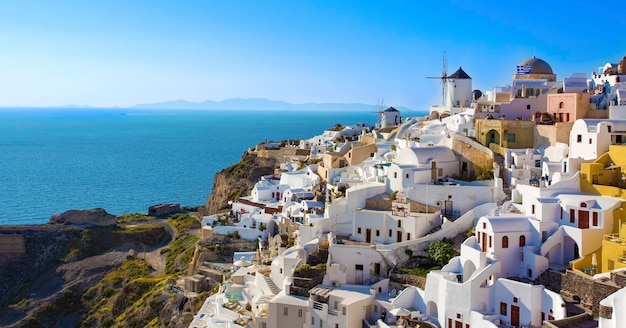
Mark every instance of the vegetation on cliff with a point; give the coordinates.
(101, 276)
(179, 252)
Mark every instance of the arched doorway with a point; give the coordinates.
(431, 310)
(493, 137)
(468, 270)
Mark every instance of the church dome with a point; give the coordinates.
(539, 66)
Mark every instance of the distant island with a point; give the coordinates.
(261, 104)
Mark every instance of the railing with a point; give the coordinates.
(318, 306)
(622, 259)
(615, 238)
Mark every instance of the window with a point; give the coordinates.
(285, 311)
(408, 236)
(537, 163)
(595, 219)
(510, 137)
(399, 224)
(377, 233)
(505, 242)
(336, 325)
(336, 305)
(502, 308)
(528, 106)
(561, 105)
(532, 209)
(343, 310)
(579, 138)
(590, 141)
(514, 299)
(395, 175)
(522, 241)
(609, 127)
(263, 325)
(390, 233)
(312, 321)
(299, 313)
(489, 241)
(406, 176)
(572, 213)
(358, 230)
(321, 322)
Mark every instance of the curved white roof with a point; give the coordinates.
(425, 155)
(508, 223)
(618, 125)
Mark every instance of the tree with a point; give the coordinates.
(441, 251)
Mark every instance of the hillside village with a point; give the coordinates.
(530, 176)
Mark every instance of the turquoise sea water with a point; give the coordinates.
(125, 160)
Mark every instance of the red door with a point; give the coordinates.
(484, 242)
(515, 316)
(583, 219)
(368, 235)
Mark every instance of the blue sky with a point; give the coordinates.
(107, 53)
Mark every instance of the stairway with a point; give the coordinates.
(275, 290)
(499, 159)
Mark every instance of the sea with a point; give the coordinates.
(125, 160)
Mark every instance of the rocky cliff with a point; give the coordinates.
(237, 180)
(96, 216)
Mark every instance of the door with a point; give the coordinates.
(484, 242)
(368, 235)
(398, 236)
(515, 316)
(583, 219)
(358, 274)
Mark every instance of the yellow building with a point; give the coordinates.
(606, 176)
(514, 134)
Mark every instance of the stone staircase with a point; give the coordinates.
(499, 159)
(275, 290)
(551, 279)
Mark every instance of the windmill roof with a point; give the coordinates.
(459, 74)
(391, 109)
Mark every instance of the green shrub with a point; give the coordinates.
(441, 251)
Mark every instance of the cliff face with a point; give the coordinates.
(238, 180)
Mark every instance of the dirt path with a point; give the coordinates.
(153, 254)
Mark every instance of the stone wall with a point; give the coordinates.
(407, 279)
(471, 152)
(589, 291)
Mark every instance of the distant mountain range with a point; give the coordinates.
(261, 104)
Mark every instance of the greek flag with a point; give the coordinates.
(524, 69)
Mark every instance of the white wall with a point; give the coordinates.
(464, 198)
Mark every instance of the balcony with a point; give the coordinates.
(621, 259)
(615, 238)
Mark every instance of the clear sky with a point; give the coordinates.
(106, 53)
